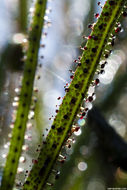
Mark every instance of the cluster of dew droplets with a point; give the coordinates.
(11, 126)
(79, 122)
(91, 96)
(67, 148)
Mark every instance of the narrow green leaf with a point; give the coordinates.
(25, 97)
(77, 91)
(23, 4)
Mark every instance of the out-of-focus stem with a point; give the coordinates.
(23, 15)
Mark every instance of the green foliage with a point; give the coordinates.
(25, 97)
(99, 40)
(94, 51)
(23, 15)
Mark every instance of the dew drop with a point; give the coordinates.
(46, 18)
(20, 170)
(16, 98)
(15, 104)
(25, 147)
(81, 122)
(22, 159)
(91, 90)
(17, 90)
(31, 10)
(12, 126)
(77, 133)
(29, 125)
(6, 146)
(88, 105)
(4, 155)
(9, 135)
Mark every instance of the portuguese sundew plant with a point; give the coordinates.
(25, 96)
(76, 103)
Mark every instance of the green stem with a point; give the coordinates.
(77, 91)
(23, 15)
(25, 97)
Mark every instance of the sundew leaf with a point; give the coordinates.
(93, 52)
(25, 96)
